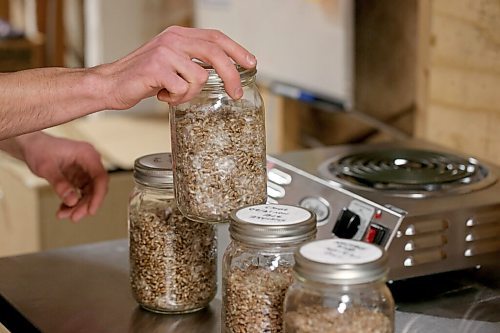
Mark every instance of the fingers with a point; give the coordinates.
(69, 194)
(69, 187)
(234, 50)
(93, 182)
(182, 81)
(210, 46)
(89, 179)
(223, 65)
(75, 213)
(84, 206)
(100, 188)
(74, 202)
(164, 67)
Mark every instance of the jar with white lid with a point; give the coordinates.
(257, 265)
(173, 260)
(219, 149)
(339, 286)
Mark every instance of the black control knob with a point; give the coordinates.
(347, 224)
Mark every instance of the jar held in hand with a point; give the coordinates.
(219, 150)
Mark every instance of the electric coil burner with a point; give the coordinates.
(433, 210)
(408, 172)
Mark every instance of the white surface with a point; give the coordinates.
(115, 28)
(419, 323)
(340, 251)
(303, 43)
(270, 214)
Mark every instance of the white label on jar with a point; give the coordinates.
(273, 214)
(340, 251)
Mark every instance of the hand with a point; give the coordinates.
(164, 67)
(72, 168)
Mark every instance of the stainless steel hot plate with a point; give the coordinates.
(407, 172)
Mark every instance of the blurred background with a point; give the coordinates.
(331, 72)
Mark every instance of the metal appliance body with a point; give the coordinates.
(449, 227)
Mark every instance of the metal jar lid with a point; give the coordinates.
(341, 261)
(272, 224)
(154, 170)
(247, 76)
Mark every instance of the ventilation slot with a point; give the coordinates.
(427, 226)
(482, 235)
(424, 242)
(424, 257)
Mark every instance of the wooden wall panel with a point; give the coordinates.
(459, 101)
(385, 58)
(4, 9)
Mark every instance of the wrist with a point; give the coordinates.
(24, 143)
(95, 83)
(99, 79)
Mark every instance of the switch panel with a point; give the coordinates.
(365, 213)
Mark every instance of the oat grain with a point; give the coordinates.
(172, 259)
(219, 159)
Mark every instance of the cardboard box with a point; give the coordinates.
(28, 204)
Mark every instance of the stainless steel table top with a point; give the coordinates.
(86, 289)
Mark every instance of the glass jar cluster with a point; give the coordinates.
(218, 164)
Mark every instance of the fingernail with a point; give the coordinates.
(68, 192)
(238, 92)
(71, 197)
(251, 60)
(77, 217)
(63, 215)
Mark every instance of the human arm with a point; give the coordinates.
(35, 99)
(72, 168)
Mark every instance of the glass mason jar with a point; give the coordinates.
(339, 286)
(219, 150)
(172, 259)
(257, 265)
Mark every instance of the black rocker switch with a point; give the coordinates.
(347, 224)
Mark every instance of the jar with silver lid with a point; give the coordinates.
(219, 149)
(172, 259)
(257, 265)
(339, 286)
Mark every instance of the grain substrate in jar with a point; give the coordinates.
(172, 259)
(257, 265)
(339, 287)
(219, 150)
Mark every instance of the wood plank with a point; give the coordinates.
(459, 80)
(464, 88)
(422, 70)
(275, 120)
(385, 56)
(4, 9)
(471, 136)
(292, 116)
